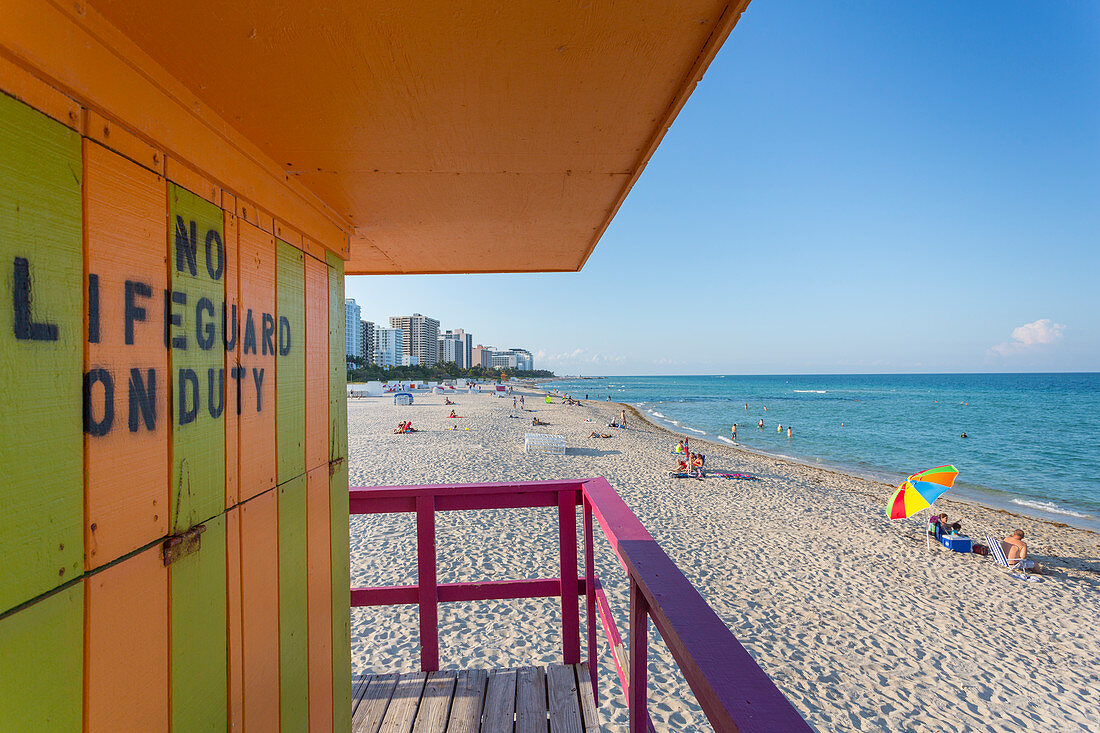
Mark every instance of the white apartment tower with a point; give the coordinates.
(352, 328)
(421, 337)
(389, 346)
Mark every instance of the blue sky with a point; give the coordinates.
(853, 187)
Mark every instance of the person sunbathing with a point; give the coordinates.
(452, 414)
(448, 401)
(598, 435)
(536, 421)
(405, 427)
(1016, 551)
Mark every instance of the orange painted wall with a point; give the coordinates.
(126, 646)
(260, 617)
(234, 629)
(231, 340)
(257, 406)
(126, 469)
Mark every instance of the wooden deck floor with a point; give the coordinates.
(555, 699)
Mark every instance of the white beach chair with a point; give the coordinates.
(543, 443)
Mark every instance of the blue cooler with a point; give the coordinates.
(955, 542)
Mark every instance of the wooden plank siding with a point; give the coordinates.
(126, 646)
(257, 376)
(125, 275)
(319, 598)
(290, 369)
(41, 442)
(197, 365)
(197, 657)
(260, 604)
(143, 399)
(293, 609)
(339, 499)
(41, 654)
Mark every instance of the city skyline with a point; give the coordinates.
(416, 340)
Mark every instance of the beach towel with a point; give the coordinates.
(738, 476)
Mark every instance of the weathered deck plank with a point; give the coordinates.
(404, 702)
(500, 701)
(527, 700)
(468, 699)
(531, 700)
(435, 703)
(589, 711)
(565, 711)
(358, 687)
(374, 700)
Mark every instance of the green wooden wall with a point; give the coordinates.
(339, 508)
(196, 358)
(41, 354)
(290, 364)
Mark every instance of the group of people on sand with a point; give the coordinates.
(405, 426)
(620, 423)
(1013, 546)
(688, 461)
(939, 526)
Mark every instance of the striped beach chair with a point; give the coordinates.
(998, 552)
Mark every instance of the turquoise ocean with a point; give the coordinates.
(1032, 445)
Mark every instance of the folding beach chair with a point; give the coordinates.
(1013, 566)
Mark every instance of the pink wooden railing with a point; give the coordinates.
(731, 688)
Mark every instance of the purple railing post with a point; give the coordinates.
(570, 605)
(427, 593)
(590, 595)
(637, 701)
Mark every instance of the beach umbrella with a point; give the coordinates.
(920, 491)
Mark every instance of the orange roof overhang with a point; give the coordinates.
(445, 136)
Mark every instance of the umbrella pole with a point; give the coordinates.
(928, 542)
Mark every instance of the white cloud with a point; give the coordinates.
(1042, 332)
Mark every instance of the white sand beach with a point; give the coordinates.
(859, 625)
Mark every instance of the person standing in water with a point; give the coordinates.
(760, 424)
(746, 406)
(788, 431)
(779, 428)
(735, 432)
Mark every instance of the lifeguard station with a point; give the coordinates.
(183, 188)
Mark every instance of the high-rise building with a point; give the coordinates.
(366, 341)
(463, 347)
(467, 341)
(450, 350)
(482, 356)
(352, 327)
(503, 360)
(389, 346)
(421, 337)
(524, 361)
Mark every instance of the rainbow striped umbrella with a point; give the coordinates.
(921, 489)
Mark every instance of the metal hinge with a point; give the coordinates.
(183, 544)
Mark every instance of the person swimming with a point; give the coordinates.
(963, 435)
(760, 424)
